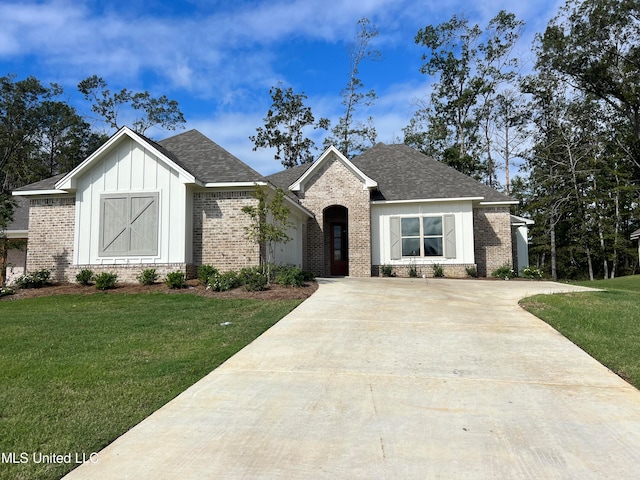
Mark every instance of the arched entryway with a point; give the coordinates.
(336, 240)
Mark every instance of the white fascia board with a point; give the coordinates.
(68, 182)
(234, 184)
(17, 233)
(506, 202)
(428, 200)
(369, 183)
(25, 193)
(515, 220)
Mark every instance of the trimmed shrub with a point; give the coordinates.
(106, 280)
(34, 279)
(253, 279)
(504, 271)
(532, 273)
(289, 276)
(472, 271)
(438, 271)
(6, 291)
(386, 270)
(148, 276)
(308, 276)
(221, 282)
(84, 277)
(204, 272)
(176, 279)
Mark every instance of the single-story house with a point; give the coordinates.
(177, 204)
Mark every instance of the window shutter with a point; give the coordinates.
(144, 225)
(113, 225)
(449, 236)
(395, 238)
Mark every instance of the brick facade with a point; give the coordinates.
(51, 227)
(334, 184)
(492, 238)
(219, 236)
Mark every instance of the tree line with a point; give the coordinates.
(569, 129)
(564, 139)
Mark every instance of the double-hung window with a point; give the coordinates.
(423, 236)
(128, 224)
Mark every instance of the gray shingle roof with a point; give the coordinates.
(46, 184)
(206, 160)
(20, 215)
(285, 178)
(403, 173)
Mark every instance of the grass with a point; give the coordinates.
(78, 371)
(605, 324)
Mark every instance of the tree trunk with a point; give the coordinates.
(552, 235)
(589, 263)
(605, 264)
(3, 260)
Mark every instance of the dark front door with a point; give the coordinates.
(339, 249)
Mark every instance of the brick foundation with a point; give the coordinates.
(450, 271)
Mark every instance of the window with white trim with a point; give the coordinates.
(423, 236)
(128, 224)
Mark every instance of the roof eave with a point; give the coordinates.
(428, 200)
(234, 184)
(26, 193)
(17, 233)
(501, 202)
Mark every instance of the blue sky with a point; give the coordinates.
(218, 59)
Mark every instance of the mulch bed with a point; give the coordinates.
(273, 292)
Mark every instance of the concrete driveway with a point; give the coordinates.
(388, 378)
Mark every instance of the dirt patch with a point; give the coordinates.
(273, 292)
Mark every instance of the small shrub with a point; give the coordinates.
(84, 277)
(308, 276)
(106, 280)
(472, 271)
(504, 271)
(6, 291)
(438, 271)
(148, 276)
(532, 273)
(221, 282)
(386, 270)
(253, 279)
(413, 271)
(289, 276)
(34, 280)
(176, 280)
(204, 272)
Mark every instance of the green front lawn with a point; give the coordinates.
(604, 324)
(78, 371)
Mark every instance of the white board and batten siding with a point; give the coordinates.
(381, 235)
(130, 169)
